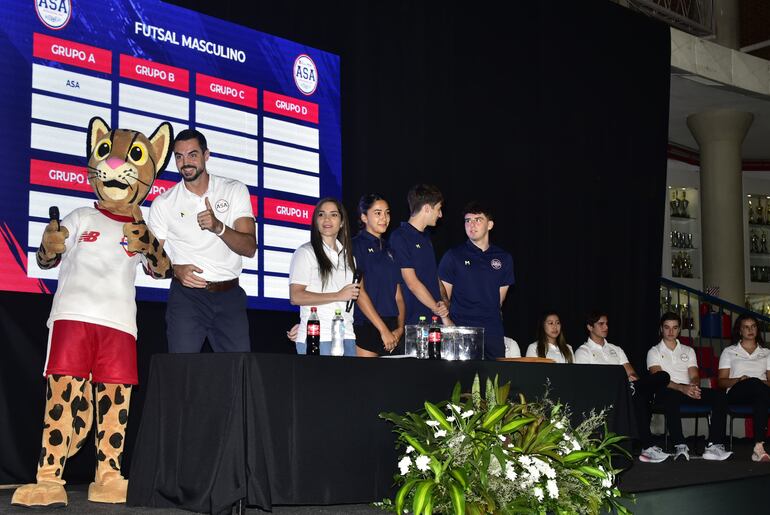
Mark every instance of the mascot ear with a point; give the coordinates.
(97, 129)
(161, 141)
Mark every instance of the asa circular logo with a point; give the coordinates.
(305, 74)
(221, 206)
(496, 264)
(55, 14)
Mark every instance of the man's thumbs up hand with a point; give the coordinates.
(207, 221)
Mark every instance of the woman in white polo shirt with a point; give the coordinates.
(321, 275)
(551, 342)
(743, 371)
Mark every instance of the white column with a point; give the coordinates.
(720, 134)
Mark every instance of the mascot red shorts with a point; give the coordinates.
(79, 348)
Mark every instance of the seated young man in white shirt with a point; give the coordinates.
(681, 364)
(598, 351)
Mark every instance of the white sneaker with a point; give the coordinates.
(759, 454)
(653, 455)
(716, 452)
(682, 450)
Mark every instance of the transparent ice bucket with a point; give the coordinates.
(458, 343)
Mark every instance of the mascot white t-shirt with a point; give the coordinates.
(96, 279)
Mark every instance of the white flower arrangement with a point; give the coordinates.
(492, 455)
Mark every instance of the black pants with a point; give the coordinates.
(757, 394)
(194, 314)
(672, 401)
(645, 389)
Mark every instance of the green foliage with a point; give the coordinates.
(482, 453)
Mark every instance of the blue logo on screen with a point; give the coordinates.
(305, 74)
(55, 14)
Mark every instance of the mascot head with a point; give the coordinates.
(122, 164)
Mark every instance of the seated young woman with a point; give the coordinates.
(551, 342)
(743, 370)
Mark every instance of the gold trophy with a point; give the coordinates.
(683, 205)
(674, 203)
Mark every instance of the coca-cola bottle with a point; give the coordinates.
(434, 339)
(313, 338)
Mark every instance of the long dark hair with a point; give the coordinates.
(324, 264)
(542, 338)
(737, 329)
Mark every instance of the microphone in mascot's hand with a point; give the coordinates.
(356, 280)
(53, 215)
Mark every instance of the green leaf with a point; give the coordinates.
(473, 508)
(592, 471)
(402, 493)
(476, 393)
(458, 497)
(482, 471)
(497, 452)
(576, 456)
(515, 424)
(421, 494)
(460, 476)
(474, 419)
(531, 434)
(582, 479)
(555, 457)
(428, 509)
(417, 422)
(436, 467)
(436, 415)
(503, 392)
(414, 443)
(494, 415)
(456, 393)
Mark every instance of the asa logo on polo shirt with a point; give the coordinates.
(496, 264)
(221, 206)
(684, 357)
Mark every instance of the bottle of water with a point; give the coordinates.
(422, 338)
(338, 334)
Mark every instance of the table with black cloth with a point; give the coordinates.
(284, 429)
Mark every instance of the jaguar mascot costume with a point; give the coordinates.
(92, 325)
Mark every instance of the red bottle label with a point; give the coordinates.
(314, 329)
(434, 337)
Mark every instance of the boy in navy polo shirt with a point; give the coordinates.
(476, 276)
(424, 294)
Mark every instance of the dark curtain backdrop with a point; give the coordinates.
(555, 114)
